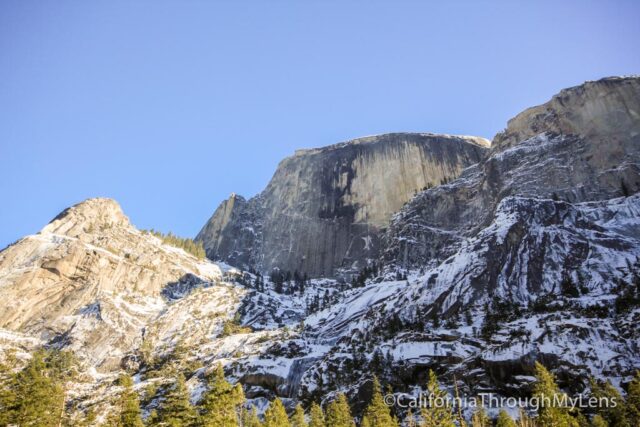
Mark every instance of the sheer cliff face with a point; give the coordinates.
(530, 254)
(581, 146)
(325, 208)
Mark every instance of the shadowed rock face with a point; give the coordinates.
(581, 146)
(324, 209)
(539, 235)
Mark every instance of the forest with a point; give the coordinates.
(36, 395)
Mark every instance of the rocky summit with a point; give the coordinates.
(325, 209)
(389, 255)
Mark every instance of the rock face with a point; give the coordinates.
(601, 111)
(90, 281)
(542, 234)
(583, 145)
(324, 209)
(531, 254)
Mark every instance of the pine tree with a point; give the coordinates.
(551, 414)
(615, 416)
(633, 400)
(176, 410)
(480, 418)
(221, 403)
(276, 415)
(7, 393)
(524, 420)
(439, 414)
(129, 405)
(316, 416)
(459, 416)
(598, 421)
(624, 189)
(377, 413)
(582, 420)
(504, 420)
(339, 413)
(249, 417)
(568, 288)
(34, 396)
(297, 419)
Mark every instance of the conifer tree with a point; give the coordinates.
(316, 416)
(504, 420)
(339, 413)
(633, 400)
(581, 419)
(598, 421)
(524, 420)
(276, 415)
(7, 393)
(480, 418)
(35, 395)
(459, 416)
(614, 415)
(249, 417)
(221, 403)
(439, 414)
(377, 413)
(297, 418)
(35, 398)
(129, 405)
(176, 410)
(551, 414)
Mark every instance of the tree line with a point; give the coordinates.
(188, 245)
(36, 395)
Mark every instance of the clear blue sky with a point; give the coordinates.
(168, 107)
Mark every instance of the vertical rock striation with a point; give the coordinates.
(581, 146)
(325, 208)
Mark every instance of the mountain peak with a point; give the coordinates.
(94, 213)
(325, 208)
(391, 137)
(598, 110)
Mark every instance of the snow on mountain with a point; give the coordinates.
(521, 252)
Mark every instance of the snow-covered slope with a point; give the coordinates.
(530, 254)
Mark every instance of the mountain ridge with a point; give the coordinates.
(532, 253)
(336, 198)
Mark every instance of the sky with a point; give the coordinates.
(170, 106)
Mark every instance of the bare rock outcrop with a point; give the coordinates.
(324, 208)
(91, 281)
(493, 259)
(583, 145)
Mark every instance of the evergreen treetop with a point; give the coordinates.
(338, 413)
(439, 414)
(548, 393)
(377, 413)
(276, 415)
(221, 404)
(504, 420)
(298, 418)
(129, 405)
(176, 409)
(316, 416)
